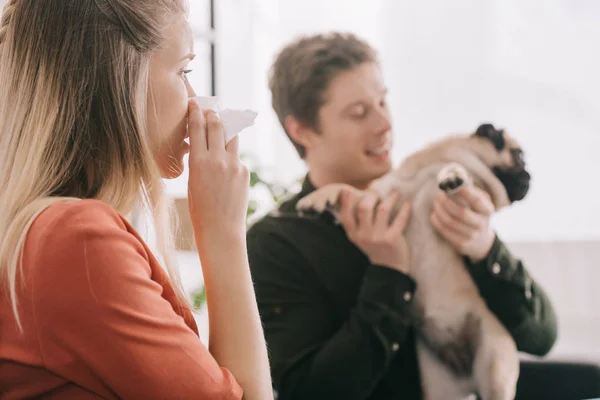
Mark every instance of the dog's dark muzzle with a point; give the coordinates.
(515, 179)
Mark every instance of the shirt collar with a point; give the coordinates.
(307, 186)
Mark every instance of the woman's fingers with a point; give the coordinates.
(215, 137)
(196, 128)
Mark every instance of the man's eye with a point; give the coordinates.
(359, 112)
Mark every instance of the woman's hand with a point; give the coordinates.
(218, 198)
(218, 181)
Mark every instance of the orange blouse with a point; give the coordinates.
(100, 319)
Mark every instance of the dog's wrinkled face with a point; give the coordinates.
(510, 166)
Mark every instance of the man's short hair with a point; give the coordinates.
(303, 71)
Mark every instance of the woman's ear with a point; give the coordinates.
(299, 132)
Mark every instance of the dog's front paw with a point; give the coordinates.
(453, 177)
(323, 199)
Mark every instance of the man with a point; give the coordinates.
(335, 299)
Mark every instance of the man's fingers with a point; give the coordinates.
(401, 220)
(384, 210)
(478, 200)
(366, 209)
(347, 217)
(451, 221)
(196, 127)
(455, 238)
(461, 213)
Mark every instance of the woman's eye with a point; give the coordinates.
(185, 72)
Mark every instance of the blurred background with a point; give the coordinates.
(530, 66)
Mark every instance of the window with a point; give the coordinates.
(202, 21)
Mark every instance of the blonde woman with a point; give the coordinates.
(94, 111)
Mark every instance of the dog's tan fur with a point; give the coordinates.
(462, 347)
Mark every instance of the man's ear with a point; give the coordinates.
(299, 132)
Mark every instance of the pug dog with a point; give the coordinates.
(463, 349)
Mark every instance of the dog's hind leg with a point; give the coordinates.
(438, 381)
(496, 367)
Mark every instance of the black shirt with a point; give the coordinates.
(338, 327)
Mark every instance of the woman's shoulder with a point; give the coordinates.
(74, 213)
(73, 216)
(71, 222)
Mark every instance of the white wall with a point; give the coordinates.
(527, 65)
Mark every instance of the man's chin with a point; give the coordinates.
(367, 175)
(379, 168)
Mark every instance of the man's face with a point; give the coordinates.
(355, 137)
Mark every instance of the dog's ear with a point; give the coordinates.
(494, 135)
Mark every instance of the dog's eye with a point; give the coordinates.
(518, 156)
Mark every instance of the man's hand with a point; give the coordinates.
(368, 226)
(467, 227)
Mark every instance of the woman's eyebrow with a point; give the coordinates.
(189, 56)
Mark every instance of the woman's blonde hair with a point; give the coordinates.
(73, 99)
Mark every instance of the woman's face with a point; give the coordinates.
(168, 94)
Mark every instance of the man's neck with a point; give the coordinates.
(321, 179)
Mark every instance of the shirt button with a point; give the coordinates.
(395, 347)
(496, 268)
(277, 310)
(407, 296)
(528, 293)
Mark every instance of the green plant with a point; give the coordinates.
(278, 193)
(199, 297)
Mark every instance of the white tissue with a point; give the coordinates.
(234, 121)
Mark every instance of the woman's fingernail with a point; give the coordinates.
(212, 116)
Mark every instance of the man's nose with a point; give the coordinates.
(382, 121)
